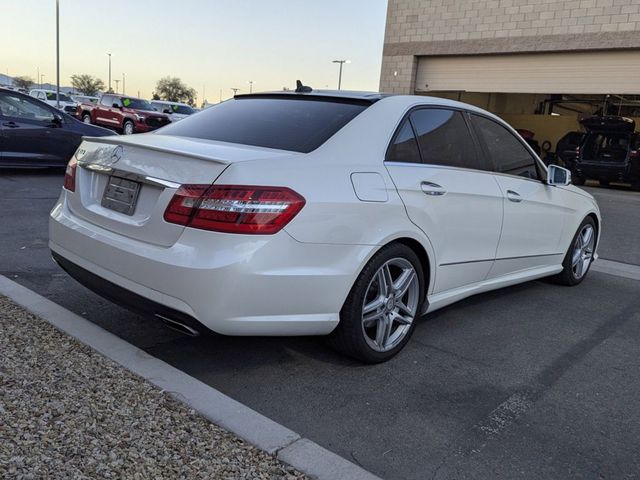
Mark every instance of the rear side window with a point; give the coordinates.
(507, 152)
(106, 100)
(444, 138)
(296, 124)
(404, 147)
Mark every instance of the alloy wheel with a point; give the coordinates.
(583, 251)
(390, 304)
(128, 128)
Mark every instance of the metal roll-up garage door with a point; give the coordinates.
(601, 72)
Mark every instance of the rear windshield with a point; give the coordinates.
(296, 124)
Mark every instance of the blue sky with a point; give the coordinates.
(216, 44)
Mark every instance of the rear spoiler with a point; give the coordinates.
(140, 143)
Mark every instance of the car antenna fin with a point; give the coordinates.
(300, 88)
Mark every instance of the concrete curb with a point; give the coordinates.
(255, 428)
(619, 269)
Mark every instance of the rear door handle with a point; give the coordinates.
(10, 124)
(432, 189)
(514, 196)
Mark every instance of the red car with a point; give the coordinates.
(125, 114)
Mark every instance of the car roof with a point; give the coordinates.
(370, 97)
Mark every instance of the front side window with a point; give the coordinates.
(298, 124)
(24, 109)
(404, 147)
(63, 98)
(507, 152)
(444, 138)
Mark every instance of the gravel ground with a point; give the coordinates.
(68, 412)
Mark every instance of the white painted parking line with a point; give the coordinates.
(619, 269)
(255, 428)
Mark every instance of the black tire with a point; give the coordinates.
(86, 118)
(576, 179)
(567, 276)
(349, 336)
(636, 185)
(126, 125)
(604, 183)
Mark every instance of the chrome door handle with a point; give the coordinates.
(433, 189)
(514, 196)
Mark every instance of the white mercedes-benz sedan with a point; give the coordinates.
(318, 213)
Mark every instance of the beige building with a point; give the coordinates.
(540, 64)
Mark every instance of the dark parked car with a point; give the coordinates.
(567, 148)
(34, 134)
(609, 152)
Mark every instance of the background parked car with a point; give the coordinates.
(175, 110)
(566, 148)
(67, 104)
(126, 114)
(85, 99)
(34, 134)
(609, 152)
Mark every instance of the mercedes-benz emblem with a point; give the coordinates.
(116, 155)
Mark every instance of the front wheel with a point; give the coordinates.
(86, 118)
(381, 310)
(127, 127)
(578, 260)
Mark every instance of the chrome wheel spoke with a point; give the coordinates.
(576, 257)
(371, 319)
(384, 331)
(387, 279)
(587, 235)
(373, 305)
(404, 281)
(404, 308)
(403, 319)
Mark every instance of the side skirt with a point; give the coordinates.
(443, 299)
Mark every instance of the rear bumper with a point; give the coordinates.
(605, 172)
(232, 284)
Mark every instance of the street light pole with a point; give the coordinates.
(123, 92)
(235, 90)
(250, 82)
(41, 78)
(117, 82)
(57, 54)
(341, 62)
(109, 71)
(38, 77)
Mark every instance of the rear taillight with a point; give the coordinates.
(70, 175)
(234, 208)
(634, 154)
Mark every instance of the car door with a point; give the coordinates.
(534, 212)
(31, 132)
(103, 115)
(449, 192)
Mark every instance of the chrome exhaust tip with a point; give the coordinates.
(178, 326)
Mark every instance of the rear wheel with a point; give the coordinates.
(127, 127)
(604, 183)
(86, 118)
(580, 255)
(381, 310)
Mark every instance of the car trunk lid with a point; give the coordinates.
(124, 184)
(609, 124)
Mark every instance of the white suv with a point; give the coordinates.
(175, 110)
(67, 104)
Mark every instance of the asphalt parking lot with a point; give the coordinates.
(535, 381)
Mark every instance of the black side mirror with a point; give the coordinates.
(115, 105)
(58, 119)
(166, 111)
